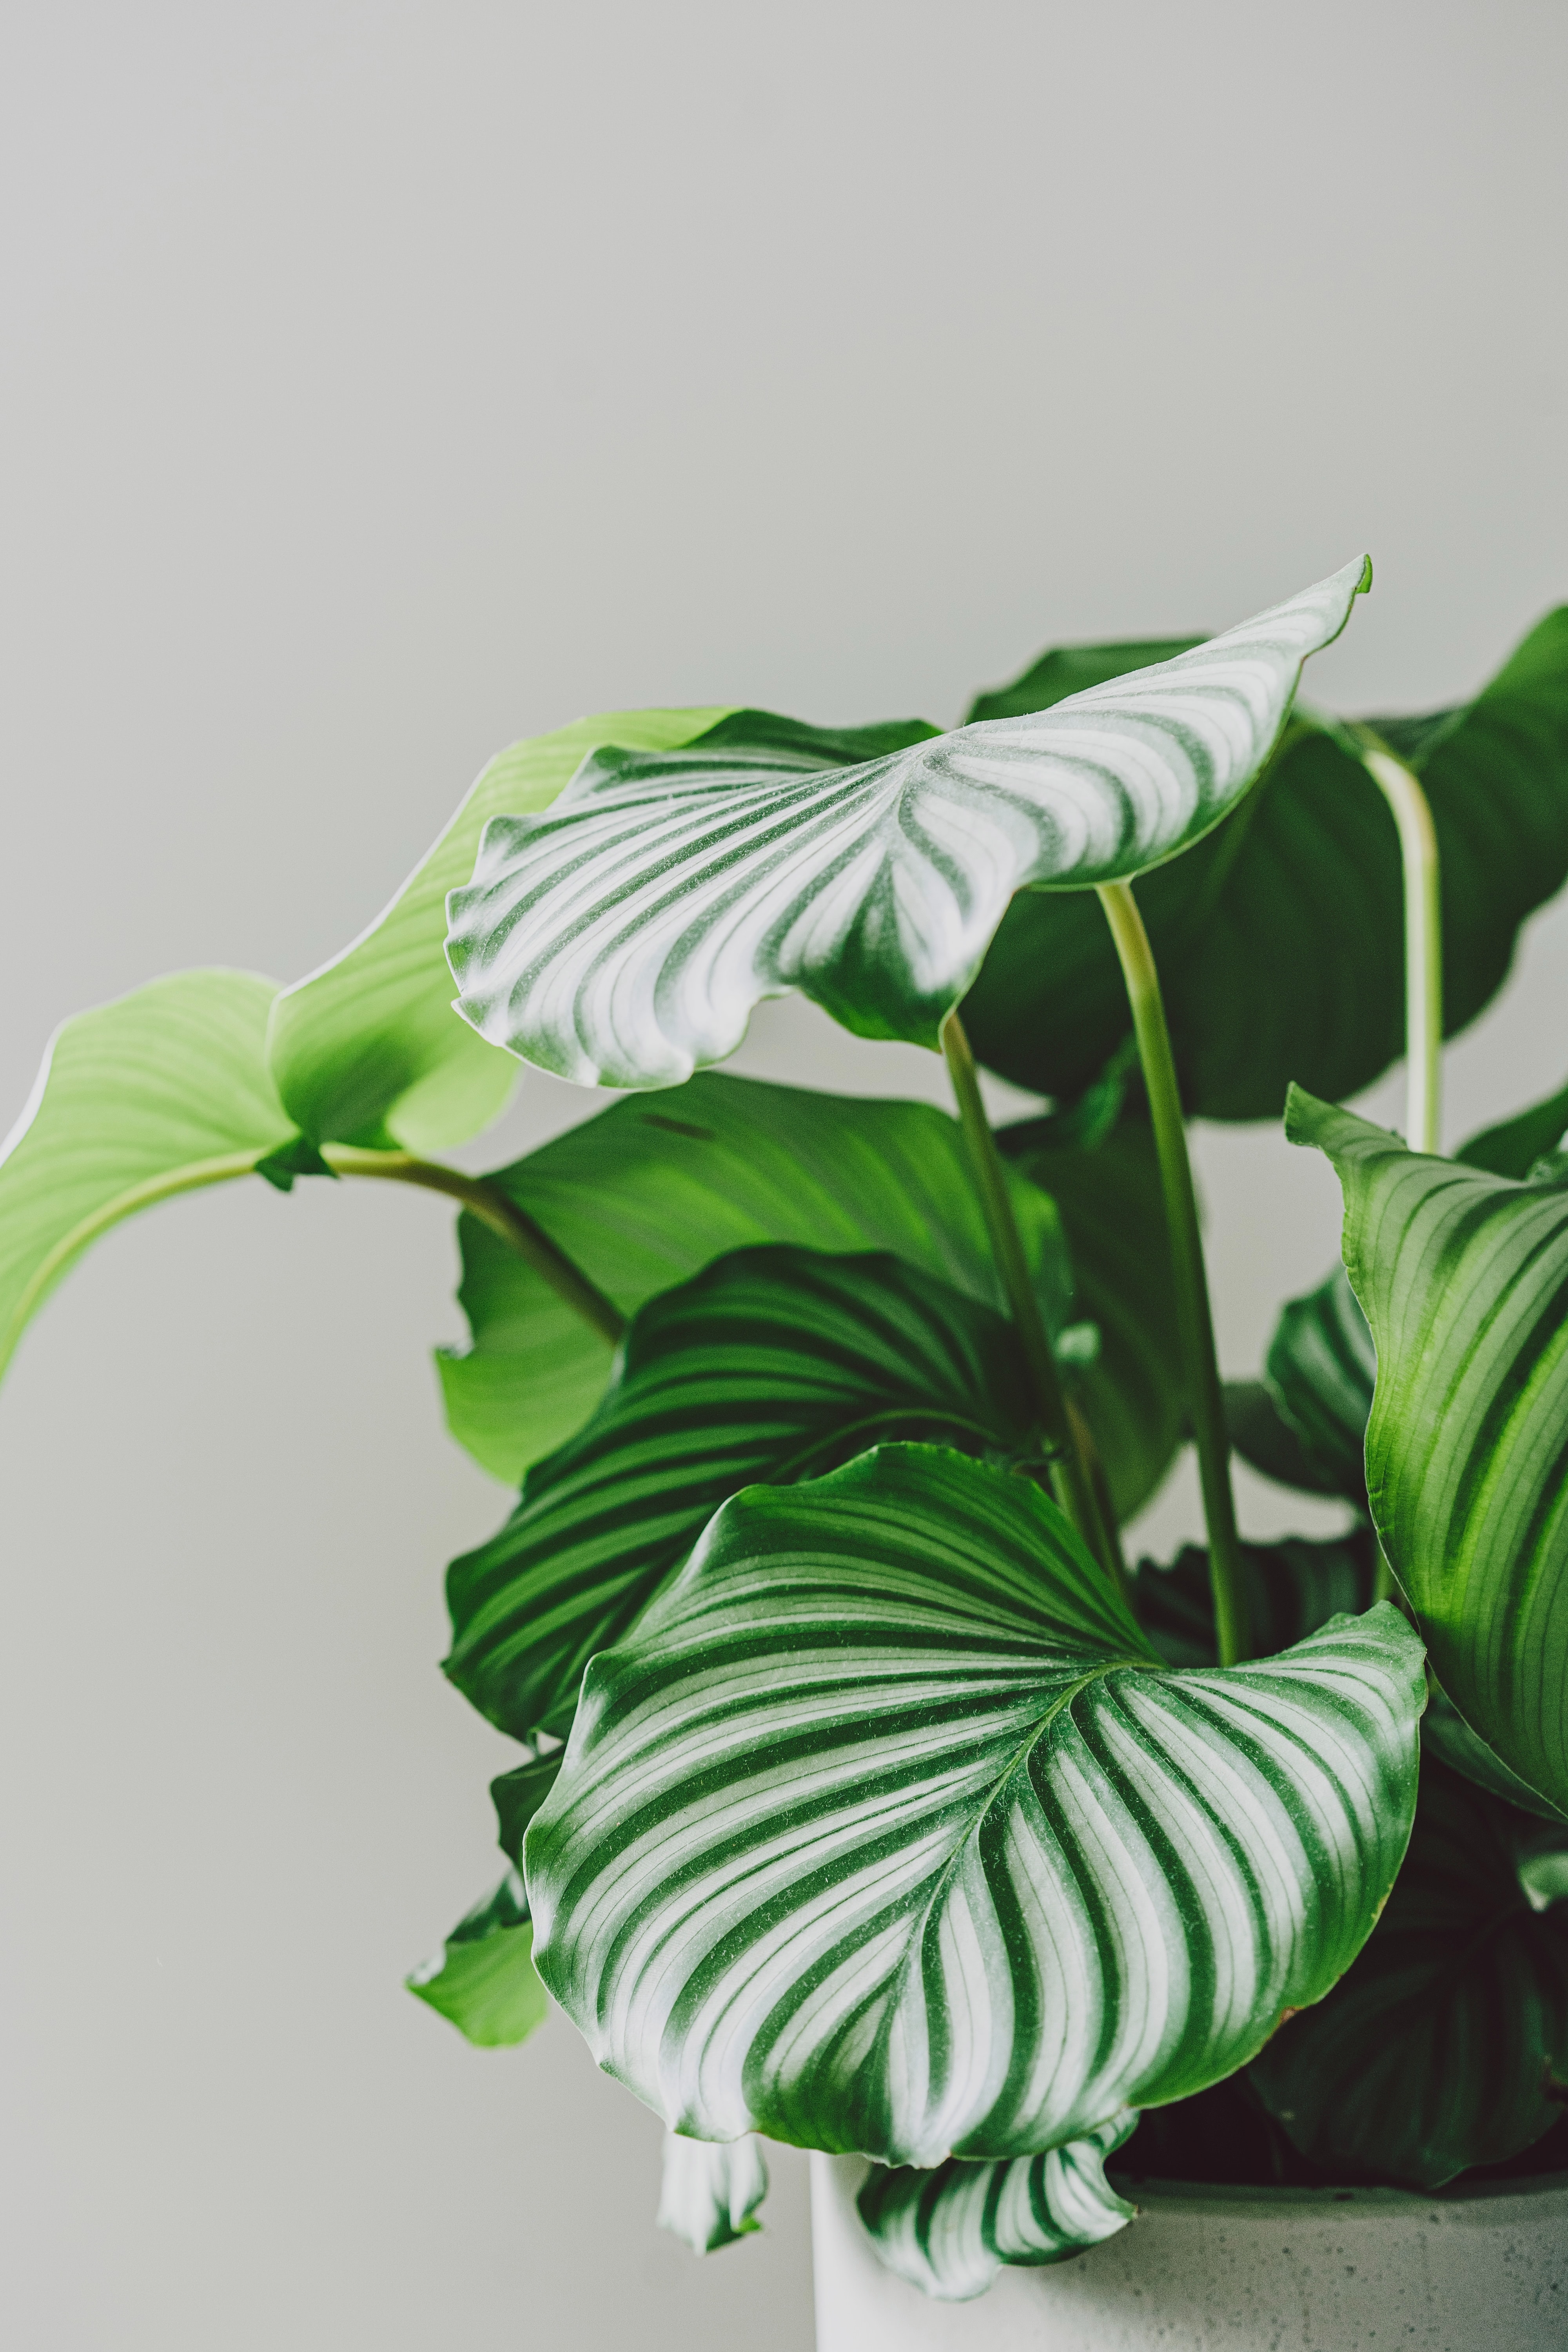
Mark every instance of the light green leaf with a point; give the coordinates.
(161, 1092)
(1513, 1147)
(1438, 2050)
(775, 1363)
(1463, 1278)
(625, 937)
(483, 1979)
(367, 1050)
(887, 1830)
(951, 2230)
(1279, 939)
(710, 2191)
(645, 1195)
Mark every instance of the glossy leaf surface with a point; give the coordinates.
(1463, 1278)
(367, 1050)
(483, 1980)
(161, 1092)
(775, 1363)
(710, 2191)
(1279, 939)
(951, 2230)
(1441, 2048)
(888, 1831)
(625, 937)
(649, 1194)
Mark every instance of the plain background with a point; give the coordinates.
(382, 382)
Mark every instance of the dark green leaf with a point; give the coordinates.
(1069, 669)
(1279, 939)
(516, 1796)
(645, 1195)
(298, 1157)
(1260, 1434)
(1446, 1734)
(887, 1830)
(1513, 1147)
(1442, 2047)
(1463, 1278)
(1294, 1586)
(775, 1363)
(950, 2231)
(483, 1980)
(711, 2190)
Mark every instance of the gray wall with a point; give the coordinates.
(383, 383)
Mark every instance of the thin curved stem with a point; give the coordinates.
(1194, 1317)
(1423, 938)
(1071, 1482)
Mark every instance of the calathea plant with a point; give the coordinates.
(865, 1799)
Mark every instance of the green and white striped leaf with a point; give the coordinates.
(625, 937)
(1442, 2047)
(951, 2230)
(1463, 1278)
(888, 1831)
(161, 1092)
(775, 1363)
(711, 2190)
(648, 1194)
(483, 1977)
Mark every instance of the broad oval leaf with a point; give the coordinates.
(625, 937)
(1447, 2045)
(483, 1979)
(160, 1092)
(1279, 939)
(365, 1050)
(888, 1831)
(950, 2231)
(775, 1363)
(1463, 1278)
(710, 2191)
(648, 1194)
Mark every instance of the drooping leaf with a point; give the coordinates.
(625, 937)
(1279, 939)
(1463, 1278)
(1307, 1427)
(711, 2190)
(887, 1830)
(483, 1979)
(1513, 1147)
(1067, 669)
(951, 2230)
(1108, 1196)
(367, 1050)
(1294, 1586)
(516, 1796)
(161, 1092)
(1441, 2048)
(645, 1195)
(775, 1363)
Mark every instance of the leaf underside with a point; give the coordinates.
(886, 1830)
(484, 1979)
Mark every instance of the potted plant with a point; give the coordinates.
(867, 1798)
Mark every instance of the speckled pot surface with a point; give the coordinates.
(1232, 2270)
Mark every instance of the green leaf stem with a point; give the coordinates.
(951, 2230)
(483, 1980)
(887, 1830)
(1463, 1278)
(775, 1363)
(366, 1050)
(161, 1092)
(710, 2191)
(1446, 2043)
(623, 938)
(647, 1195)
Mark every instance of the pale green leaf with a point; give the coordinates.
(161, 1092)
(711, 2190)
(887, 1830)
(647, 1195)
(1463, 1278)
(625, 937)
(1437, 2051)
(367, 1050)
(483, 1980)
(951, 2230)
(775, 1363)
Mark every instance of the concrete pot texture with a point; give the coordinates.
(1208, 2269)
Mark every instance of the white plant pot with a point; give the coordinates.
(1232, 2270)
